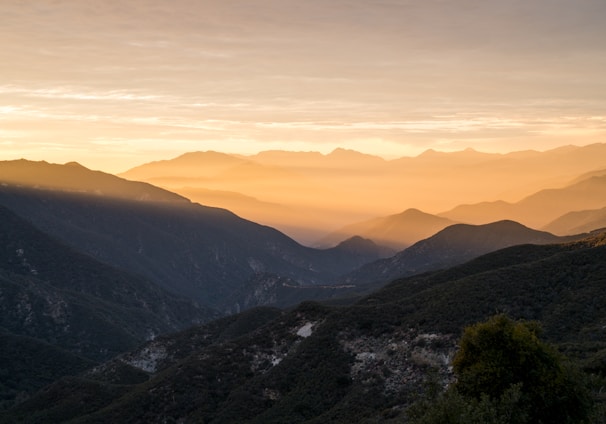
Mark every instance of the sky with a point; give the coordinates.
(113, 84)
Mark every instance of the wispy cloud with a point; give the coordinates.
(416, 74)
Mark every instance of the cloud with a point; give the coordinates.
(312, 73)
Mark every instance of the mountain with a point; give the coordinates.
(203, 253)
(54, 293)
(327, 190)
(60, 304)
(365, 362)
(395, 231)
(578, 222)
(266, 192)
(201, 164)
(538, 209)
(311, 161)
(451, 246)
(28, 364)
(287, 219)
(73, 177)
(276, 290)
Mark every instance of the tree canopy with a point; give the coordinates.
(506, 374)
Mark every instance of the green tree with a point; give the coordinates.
(505, 375)
(500, 353)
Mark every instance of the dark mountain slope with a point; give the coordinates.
(560, 285)
(451, 246)
(52, 293)
(71, 307)
(28, 364)
(207, 254)
(362, 363)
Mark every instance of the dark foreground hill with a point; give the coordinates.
(61, 310)
(360, 363)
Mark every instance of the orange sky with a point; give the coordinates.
(115, 83)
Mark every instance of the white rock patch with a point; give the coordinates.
(306, 330)
(148, 358)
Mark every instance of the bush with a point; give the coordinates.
(505, 374)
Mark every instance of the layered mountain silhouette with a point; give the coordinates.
(206, 254)
(395, 231)
(365, 361)
(321, 192)
(578, 222)
(538, 209)
(96, 268)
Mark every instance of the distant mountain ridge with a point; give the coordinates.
(322, 192)
(76, 178)
(578, 222)
(451, 246)
(538, 209)
(395, 231)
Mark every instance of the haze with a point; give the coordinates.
(114, 84)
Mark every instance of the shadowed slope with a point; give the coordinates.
(453, 245)
(363, 363)
(207, 254)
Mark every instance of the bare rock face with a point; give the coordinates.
(399, 360)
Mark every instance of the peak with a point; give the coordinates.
(342, 151)
(358, 245)
(429, 153)
(197, 154)
(75, 165)
(356, 241)
(413, 211)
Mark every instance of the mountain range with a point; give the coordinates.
(451, 246)
(222, 261)
(207, 254)
(140, 305)
(396, 231)
(539, 209)
(322, 193)
(366, 362)
(578, 222)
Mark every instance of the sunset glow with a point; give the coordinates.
(114, 84)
